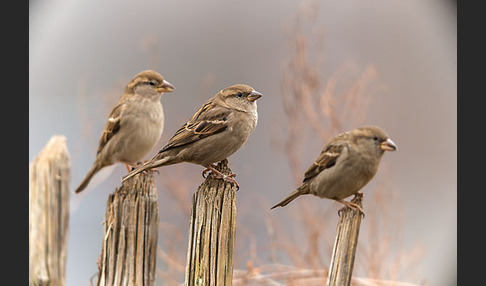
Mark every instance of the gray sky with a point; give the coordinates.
(82, 53)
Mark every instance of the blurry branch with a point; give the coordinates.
(171, 253)
(311, 104)
(92, 116)
(387, 256)
(175, 268)
(49, 213)
(179, 190)
(317, 107)
(171, 256)
(276, 274)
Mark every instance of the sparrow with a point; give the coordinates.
(134, 125)
(216, 131)
(344, 166)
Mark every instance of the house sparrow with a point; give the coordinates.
(216, 131)
(344, 166)
(134, 125)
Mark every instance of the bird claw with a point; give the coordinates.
(218, 175)
(227, 178)
(204, 172)
(230, 178)
(210, 167)
(350, 205)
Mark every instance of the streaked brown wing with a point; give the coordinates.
(203, 112)
(207, 121)
(328, 156)
(112, 126)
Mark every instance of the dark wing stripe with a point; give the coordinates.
(201, 110)
(111, 128)
(195, 131)
(200, 127)
(326, 160)
(207, 121)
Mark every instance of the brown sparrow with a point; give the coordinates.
(344, 166)
(134, 125)
(216, 131)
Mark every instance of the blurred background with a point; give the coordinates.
(323, 67)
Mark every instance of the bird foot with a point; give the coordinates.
(218, 175)
(211, 167)
(350, 205)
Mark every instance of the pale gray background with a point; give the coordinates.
(82, 53)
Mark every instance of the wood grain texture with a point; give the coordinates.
(212, 232)
(344, 251)
(128, 254)
(49, 213)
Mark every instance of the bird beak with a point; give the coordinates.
(388, 145)
(165, 87)
(254, 95)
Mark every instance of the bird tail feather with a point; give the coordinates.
(151, 164)
(84, 183)
(141, 168)
(292, 196)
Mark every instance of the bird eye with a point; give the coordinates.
(152, 82)
(375, 138)
(239, 94)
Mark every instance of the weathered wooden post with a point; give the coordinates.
(344, 251)
(49, 213)
(129, 248)
(212, 232)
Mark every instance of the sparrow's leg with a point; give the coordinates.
(218, 175)
(207, 170)
(351, 205)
